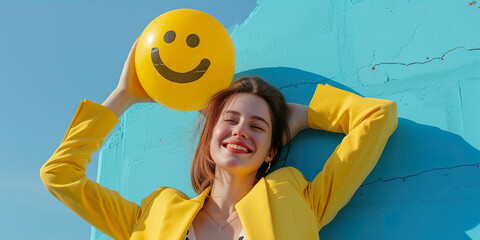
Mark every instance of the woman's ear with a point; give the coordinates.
(271, 154)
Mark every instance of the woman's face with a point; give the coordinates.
(242, 135)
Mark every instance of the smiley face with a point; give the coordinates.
(183, 57)
(193, 75)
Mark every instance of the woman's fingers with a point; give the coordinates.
(129, 79)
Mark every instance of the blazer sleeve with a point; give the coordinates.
(64, 174)
(367, 123)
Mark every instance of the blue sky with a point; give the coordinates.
(53, 55)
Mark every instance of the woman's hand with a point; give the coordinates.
(129, 82)
(297, 119)
(129, 90)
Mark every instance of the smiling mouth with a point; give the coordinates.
(236, 148)
(186, 77)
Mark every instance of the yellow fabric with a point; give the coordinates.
(283, 205)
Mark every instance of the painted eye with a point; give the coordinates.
(193, 40)
(169, 36)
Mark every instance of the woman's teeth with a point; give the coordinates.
(238, 147)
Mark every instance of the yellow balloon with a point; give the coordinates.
(183, 57)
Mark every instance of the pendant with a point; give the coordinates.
(220, 230)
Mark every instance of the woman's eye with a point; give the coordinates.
(257, 127)
(230, 120)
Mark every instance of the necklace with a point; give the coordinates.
(220, 228)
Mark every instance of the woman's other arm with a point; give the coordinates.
(367, 123)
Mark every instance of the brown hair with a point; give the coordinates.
(202, 171)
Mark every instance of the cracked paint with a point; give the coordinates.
(403, 178)
(298, 84)
(424, 62)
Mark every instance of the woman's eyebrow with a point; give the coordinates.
(254, 116)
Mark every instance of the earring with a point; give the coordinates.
(269, 165)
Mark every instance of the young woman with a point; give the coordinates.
(245, 128)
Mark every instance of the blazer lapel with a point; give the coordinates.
(180, 214)
(254, 212)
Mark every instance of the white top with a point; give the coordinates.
(191, 234)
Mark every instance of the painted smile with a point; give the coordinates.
(186, 77)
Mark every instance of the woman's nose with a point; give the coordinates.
(239, 131)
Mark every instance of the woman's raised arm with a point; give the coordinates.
(64, 173)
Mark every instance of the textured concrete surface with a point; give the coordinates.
(424, 55)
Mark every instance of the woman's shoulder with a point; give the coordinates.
(289, 174)
(164, 193)
(284, 171)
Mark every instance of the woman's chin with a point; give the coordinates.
(231, 163)
(235, 166)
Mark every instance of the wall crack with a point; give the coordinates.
(298, 84)
(420, 173)
(430, 60)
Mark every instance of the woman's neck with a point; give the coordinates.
(227, 192)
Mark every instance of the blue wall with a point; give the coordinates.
(424, 55)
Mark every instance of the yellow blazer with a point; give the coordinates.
(283, 205)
